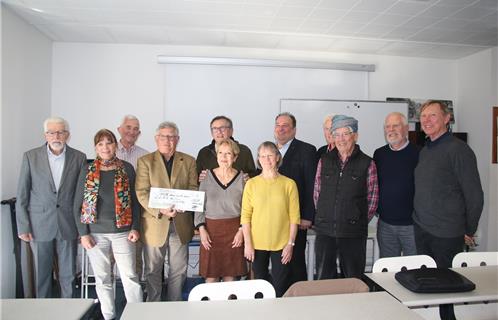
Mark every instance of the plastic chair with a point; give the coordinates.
(394, 264)
(233, 290)
(475, 259)
(475, 310)
(325, 287)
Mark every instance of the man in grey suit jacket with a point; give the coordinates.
(44, 207)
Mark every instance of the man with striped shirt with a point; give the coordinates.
(129, 130)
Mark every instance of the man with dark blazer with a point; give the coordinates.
(299, 164)
(44, 208)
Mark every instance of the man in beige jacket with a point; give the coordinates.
(165, 230)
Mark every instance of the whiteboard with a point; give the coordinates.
(370, 115)
(250, 96)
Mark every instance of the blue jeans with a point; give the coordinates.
(394, 240)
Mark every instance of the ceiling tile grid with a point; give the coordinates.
(448, 29)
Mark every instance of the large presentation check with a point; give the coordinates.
(186, 200)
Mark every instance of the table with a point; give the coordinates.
(485, 278)
(371, 305)
(53, 309)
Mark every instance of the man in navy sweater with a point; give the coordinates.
(396, 162)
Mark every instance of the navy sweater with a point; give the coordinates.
(396, 183)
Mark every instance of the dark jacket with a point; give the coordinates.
(299, 164)
(206, 159)
(342, 207)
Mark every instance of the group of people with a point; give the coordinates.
(428, 201)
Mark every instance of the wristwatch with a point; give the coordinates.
(291, 243)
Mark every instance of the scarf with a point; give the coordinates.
(122, 198)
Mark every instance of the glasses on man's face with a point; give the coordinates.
(167, 138)
(56, 133)
(219, 129)
(344, 135)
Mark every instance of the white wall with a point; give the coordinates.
(120, 79)
(477, 94)
(117, 79)
(26, 82)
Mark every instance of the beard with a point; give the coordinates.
(56, 145)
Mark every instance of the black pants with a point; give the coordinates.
(442, 250)
(279, 271)
(298, 271)
(350, 251)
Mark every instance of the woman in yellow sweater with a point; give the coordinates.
(269, 218)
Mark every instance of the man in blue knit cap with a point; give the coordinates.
(396, 162)
(346, 196)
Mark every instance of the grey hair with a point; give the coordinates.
(399, 114)
(168, 124)
(130, 117)
(273, 147)
(57, 120)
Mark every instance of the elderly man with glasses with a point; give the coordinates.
(166, 232)
(346, 197)
(44, 207)
(222, 128)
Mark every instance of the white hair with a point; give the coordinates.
(328, 117)
(130, 117)
(399, 114)
(168, 124)
(57, 120)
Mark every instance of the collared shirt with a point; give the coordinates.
(56, 163)
(130, 155)
(372, 186)
(285, 147)
(401, 148)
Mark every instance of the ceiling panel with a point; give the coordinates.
(437, 28)
(305, 43)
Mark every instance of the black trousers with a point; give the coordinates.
(279, 271)
(442, 250)
(298, 271)
(350, 251)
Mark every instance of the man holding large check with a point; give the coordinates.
(161, 177)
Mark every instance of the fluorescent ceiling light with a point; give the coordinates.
(162, 59)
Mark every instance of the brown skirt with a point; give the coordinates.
(222, 260)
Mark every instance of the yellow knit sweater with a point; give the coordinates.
(270, 206)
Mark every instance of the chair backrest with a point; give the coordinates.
(323, 287)
(475, 259)
(233, 290)
(394, 264)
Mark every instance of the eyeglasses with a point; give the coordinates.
(169, 138)
(344, 135)
(220, 129)
(56, 133)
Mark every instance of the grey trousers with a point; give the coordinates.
(395, 240)
(116, 244)
(177, 255)
(43, 258)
